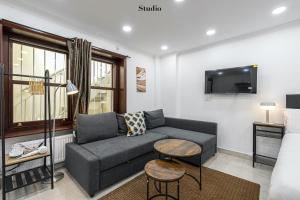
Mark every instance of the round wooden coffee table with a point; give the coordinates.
(163, 171)
(176, 148)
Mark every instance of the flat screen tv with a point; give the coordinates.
(231, 80)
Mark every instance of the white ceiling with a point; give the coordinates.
(181, 26)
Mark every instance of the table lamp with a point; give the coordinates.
(267, 106)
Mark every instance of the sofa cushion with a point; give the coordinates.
(115, 151)
(110, 152)
(122, 126)
(96, 127)
(143, 144)
(154, 118)
(205, 140)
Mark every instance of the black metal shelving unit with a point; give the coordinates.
(266, 130)
(18, 180)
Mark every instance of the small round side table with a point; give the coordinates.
(163, 171)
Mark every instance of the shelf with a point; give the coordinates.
(25, 178)
(13, 181)
(13, 161)
(265, 160)
(274, 125)
(266, 130)
(269, 134)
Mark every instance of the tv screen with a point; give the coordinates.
(232, 80)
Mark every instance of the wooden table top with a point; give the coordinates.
(164, 170)
(13, 161)
(177, 148)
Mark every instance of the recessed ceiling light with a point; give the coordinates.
(127, 28)
(164, 47)
(279, 10)
(179, 1)
(211, 32)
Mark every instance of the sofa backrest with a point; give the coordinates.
(96, 127)
(193, 125)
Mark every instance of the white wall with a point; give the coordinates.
(137, 101)
(277, 53)
(167, 77)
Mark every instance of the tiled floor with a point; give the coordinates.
(68, 189)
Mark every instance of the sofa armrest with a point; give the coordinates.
(192, 125)
(83, 166)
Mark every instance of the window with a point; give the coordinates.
(29, 60)
(28, 51)
(102, 91)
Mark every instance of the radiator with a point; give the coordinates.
(59, 149)
(58, 152)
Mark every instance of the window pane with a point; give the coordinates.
(28, 107)
(101, 74)
(39, 62)
(61, 103)
(60, 76)
(101, 101)
(22, 61)
(16, 59)
(29, 60)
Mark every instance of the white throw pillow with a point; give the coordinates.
(135, 123)
(292, 120)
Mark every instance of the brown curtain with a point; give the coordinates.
(80, 55)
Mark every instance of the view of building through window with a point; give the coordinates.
(29, 60)
(101, 96)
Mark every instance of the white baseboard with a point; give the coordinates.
(234, 153)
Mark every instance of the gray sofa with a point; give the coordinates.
(98, 163)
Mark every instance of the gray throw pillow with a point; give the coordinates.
(154, 118)
(96, 127)
(122, 126)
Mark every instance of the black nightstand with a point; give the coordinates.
(267, 130)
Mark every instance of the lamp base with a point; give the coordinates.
(56, 177)
(267, 116)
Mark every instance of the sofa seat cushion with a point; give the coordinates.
(115, 151)
(207, 141)
(142, 144)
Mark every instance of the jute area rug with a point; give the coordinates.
(215, 186)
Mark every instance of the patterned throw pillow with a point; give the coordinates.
(135, 123)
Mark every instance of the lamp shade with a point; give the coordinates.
(268, 105)
(71, 88)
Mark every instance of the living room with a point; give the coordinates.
(104, 102)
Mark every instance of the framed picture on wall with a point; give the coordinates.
(140, 79)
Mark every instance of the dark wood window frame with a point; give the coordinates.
(21, 126)
(10, 31)
(117, 64)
